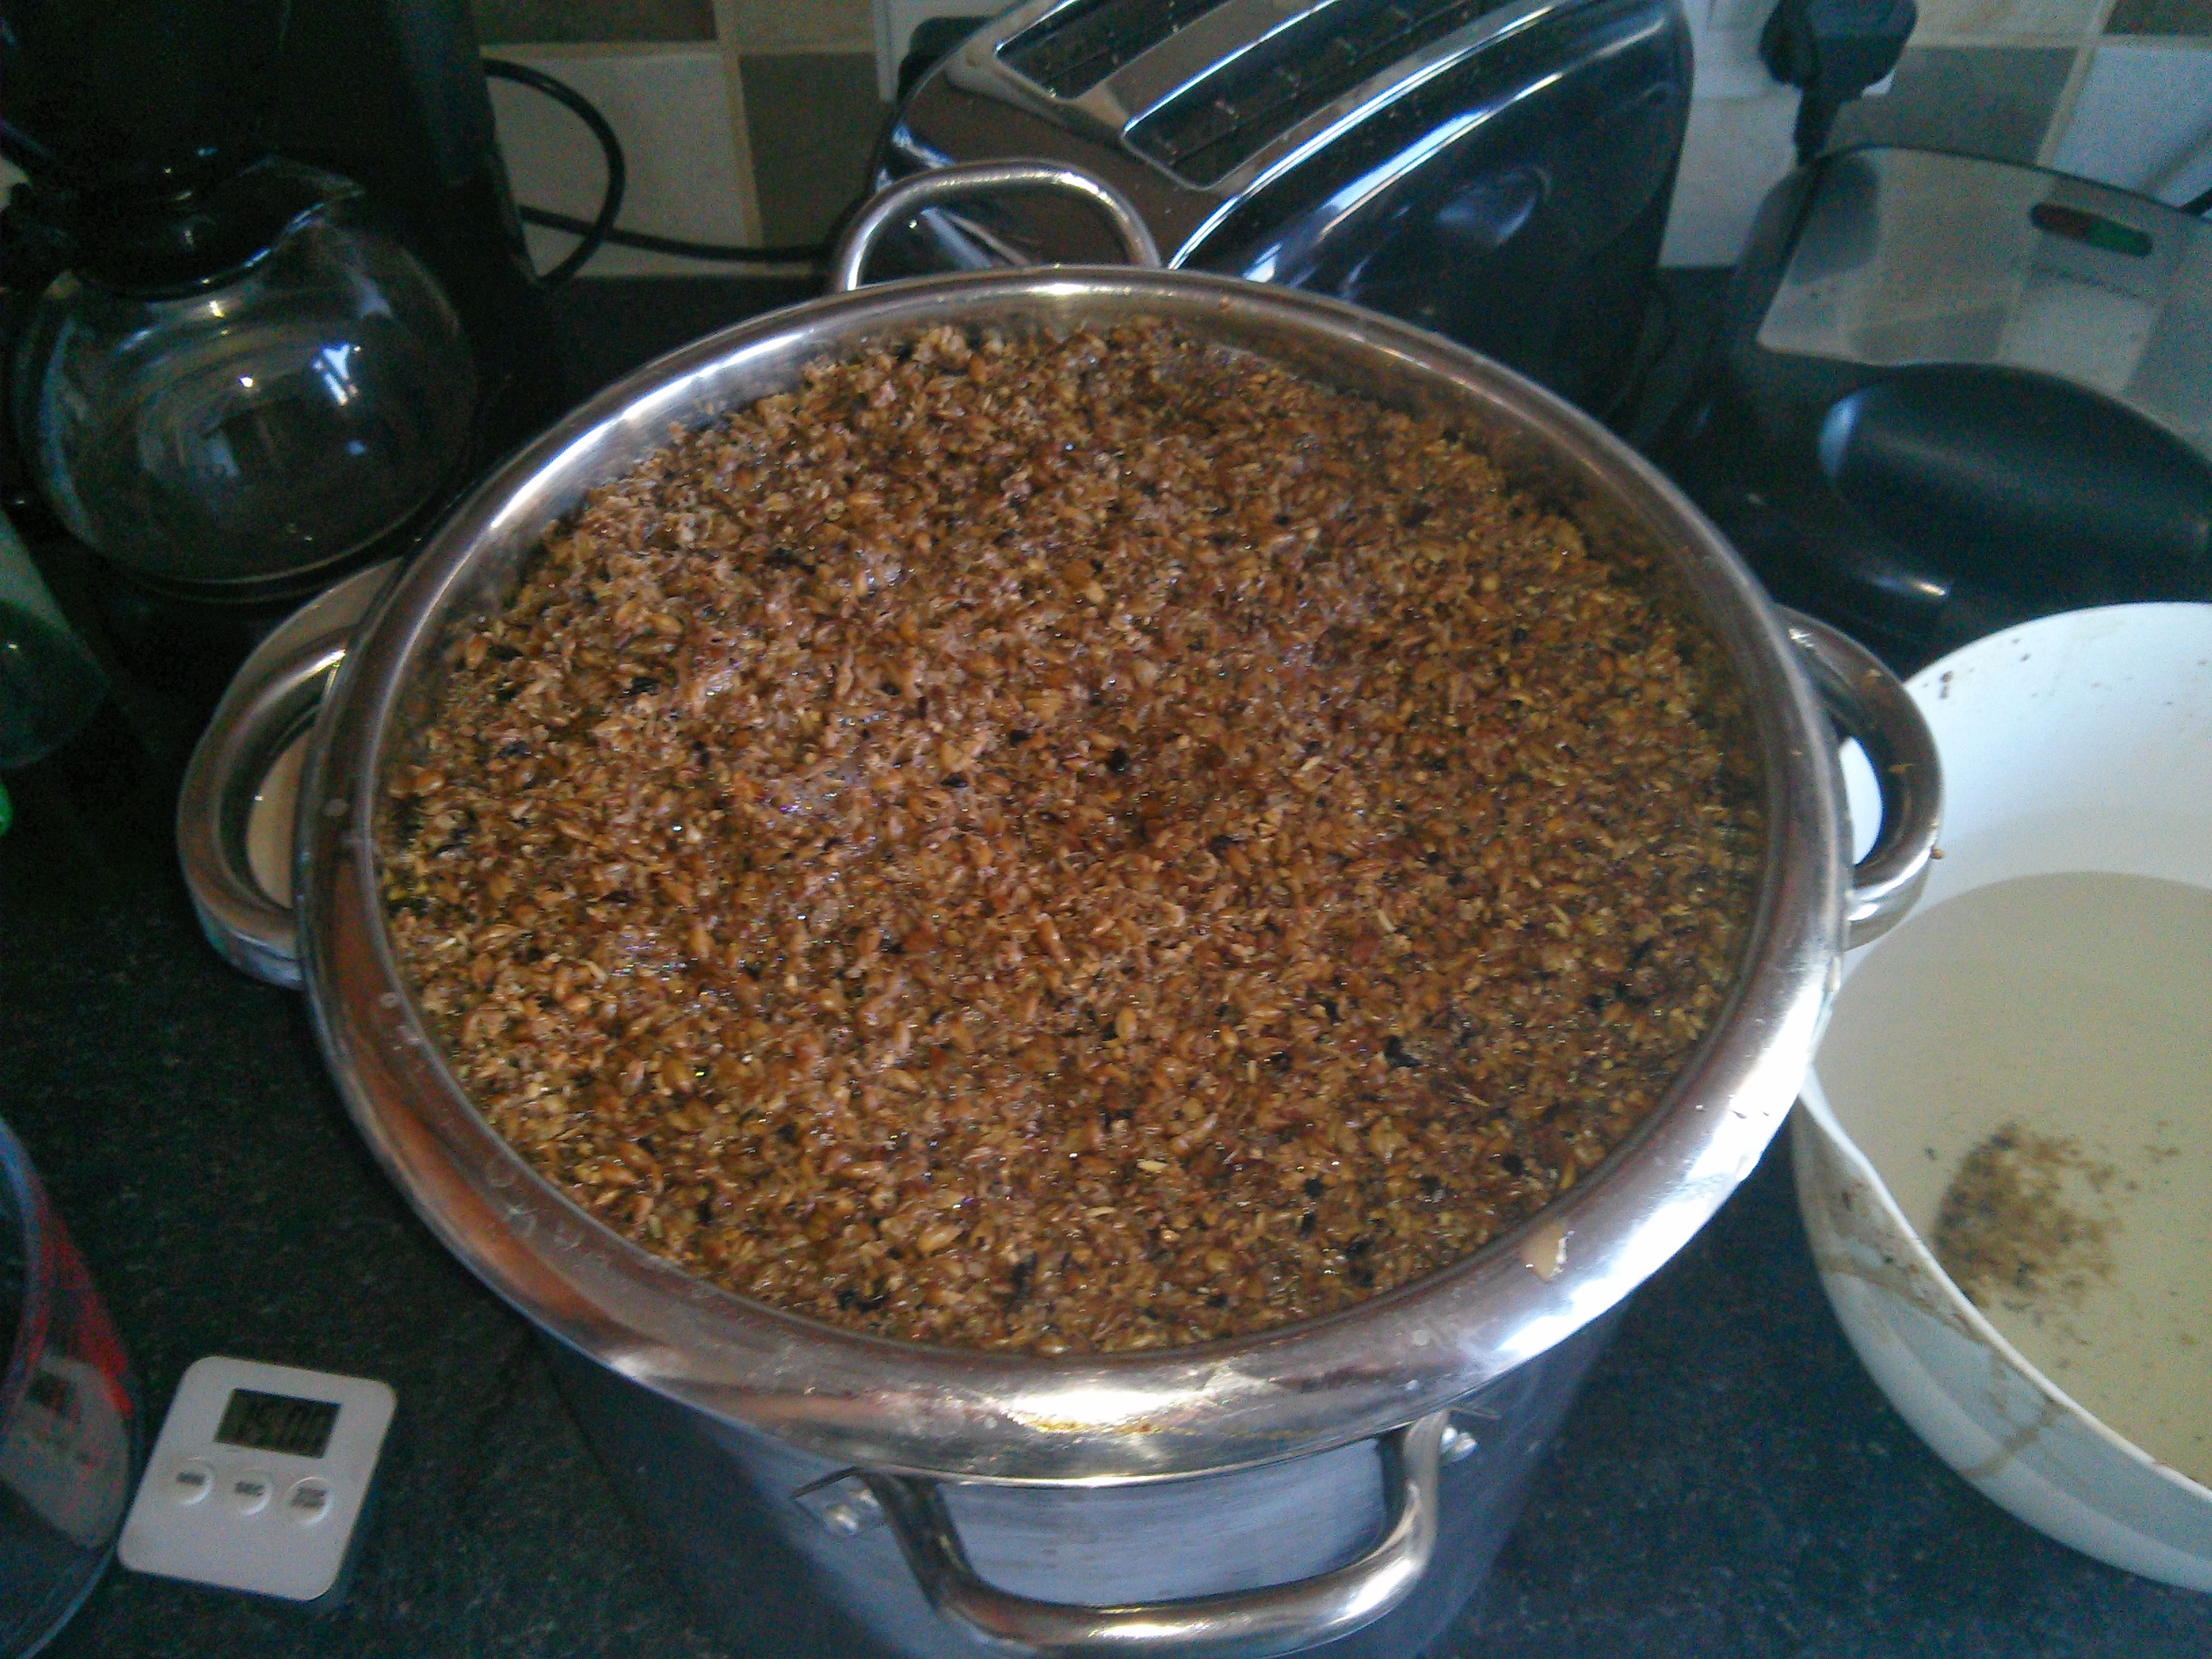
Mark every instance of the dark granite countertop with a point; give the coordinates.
(1730, 1482)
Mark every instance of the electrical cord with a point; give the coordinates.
(595, 231)
(808, 253)
(1834, 50)
(599, 230)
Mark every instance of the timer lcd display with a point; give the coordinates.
(277, 1422)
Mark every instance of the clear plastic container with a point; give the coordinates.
(69, 1418)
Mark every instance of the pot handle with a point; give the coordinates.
(277, 692)
(249, 929)
(897, 204)
(1279, 1619)
(1869, 703)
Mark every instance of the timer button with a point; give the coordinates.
(308, 1502)
(249, 1491)
(191, 1484)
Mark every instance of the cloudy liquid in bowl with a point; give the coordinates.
(2070, 1016)
(269, 827)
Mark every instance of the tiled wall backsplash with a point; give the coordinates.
(576, 22)
(743, 121)
(2050, 81)
(753, 120)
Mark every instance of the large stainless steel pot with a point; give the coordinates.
(975, 1464)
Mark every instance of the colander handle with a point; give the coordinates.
(1869, 703)
(1279, 1619)
(897, 204)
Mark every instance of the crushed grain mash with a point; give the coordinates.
(1070, 844)
(2006, 1232)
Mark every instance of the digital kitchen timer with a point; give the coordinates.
(258, 1479)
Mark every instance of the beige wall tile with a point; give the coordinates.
(788, 26)
(688, 176)
(1735, 151)
(576, 22)
(2183, 19)
(1738, 16)
(815, 118)
(2008, 22)
(1996, 102)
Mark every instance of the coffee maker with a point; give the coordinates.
(269, 307)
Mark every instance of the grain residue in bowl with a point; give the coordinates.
(1070, 844)
(2009, 1233)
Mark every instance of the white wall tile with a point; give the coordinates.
(671, 112)
(2142, 119)
(750, 26)
(1738, 148)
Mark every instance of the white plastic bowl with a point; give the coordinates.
(2078, 743)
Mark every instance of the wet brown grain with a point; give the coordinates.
(1073, 844)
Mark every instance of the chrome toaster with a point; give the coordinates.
(1497, 172)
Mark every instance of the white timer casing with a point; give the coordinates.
(253, 1516)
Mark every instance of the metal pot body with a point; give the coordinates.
(920, 1423)
(781, 1548)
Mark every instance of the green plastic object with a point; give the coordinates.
(50, 684)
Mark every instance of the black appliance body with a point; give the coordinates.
(1952, 394)
(1499, 174)
(391, 93)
